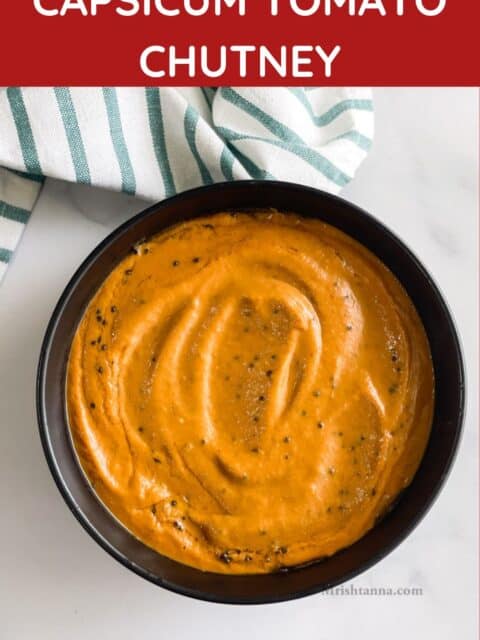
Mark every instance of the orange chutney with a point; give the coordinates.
(250, 391)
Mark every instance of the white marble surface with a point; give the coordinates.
(56, 583)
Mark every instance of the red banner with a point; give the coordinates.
(240, 42)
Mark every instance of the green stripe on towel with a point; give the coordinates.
(253, 169)
(313, 158)
(73, 133)
(281, 131)
(208, 94)
(5, 255)
(157, 131)
(358, 138)
(226, 163)
(24, 130)
(129, 184)
(17, 214)
(329, 116)
(190, 125)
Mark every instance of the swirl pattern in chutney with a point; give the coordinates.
(249, 392)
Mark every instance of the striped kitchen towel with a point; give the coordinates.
(156, 142)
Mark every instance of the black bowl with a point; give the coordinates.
(414, 501)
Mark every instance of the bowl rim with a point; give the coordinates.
(44, 430)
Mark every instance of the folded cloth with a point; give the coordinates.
(156, 142)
